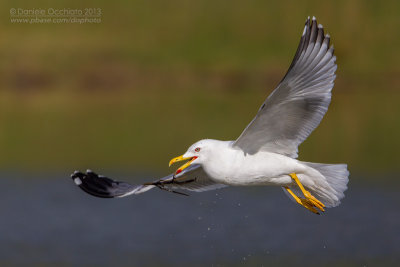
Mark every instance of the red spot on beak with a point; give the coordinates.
(178, 171)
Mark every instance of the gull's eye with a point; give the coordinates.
(197, 149)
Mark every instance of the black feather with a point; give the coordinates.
(101, 186)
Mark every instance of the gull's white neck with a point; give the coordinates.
(222, 160)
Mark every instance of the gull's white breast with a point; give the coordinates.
(234, 167)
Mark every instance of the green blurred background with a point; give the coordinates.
(153, 77)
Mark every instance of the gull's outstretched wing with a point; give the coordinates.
(296, 107)
(192, 178)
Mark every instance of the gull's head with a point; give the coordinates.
(198, 153)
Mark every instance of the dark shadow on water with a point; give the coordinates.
(53, 222)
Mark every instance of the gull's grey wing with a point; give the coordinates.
(296, 107)
(192, 178)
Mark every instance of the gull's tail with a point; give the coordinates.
(327, 182)
(336, 177)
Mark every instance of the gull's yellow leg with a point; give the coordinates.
(315, 202)
(302, 201)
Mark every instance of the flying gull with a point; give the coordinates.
(266, 151)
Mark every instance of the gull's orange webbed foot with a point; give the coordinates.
(302, 201)
(309, 202)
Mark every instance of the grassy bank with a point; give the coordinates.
(151, 79)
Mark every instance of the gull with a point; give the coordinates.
(265, 154)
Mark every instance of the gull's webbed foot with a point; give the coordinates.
(309, 202)
(302, 201)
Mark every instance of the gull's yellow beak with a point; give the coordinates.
(184, 166)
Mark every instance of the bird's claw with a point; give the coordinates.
(309, 205)
(309, 201)
(313, 201)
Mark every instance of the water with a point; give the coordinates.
(51, 221)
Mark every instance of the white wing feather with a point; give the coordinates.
(296, 107)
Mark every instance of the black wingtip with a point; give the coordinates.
(100, 186)
(77, 177)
